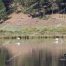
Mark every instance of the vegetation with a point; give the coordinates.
(30, 6)
(3, 14)
(34, 31)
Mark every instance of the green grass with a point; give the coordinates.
(20, 31)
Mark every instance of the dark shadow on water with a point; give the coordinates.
(62, 60)
(38, 58)
(44, 58)
(5, 55)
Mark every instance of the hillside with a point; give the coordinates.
(22, 25)
(26, 20)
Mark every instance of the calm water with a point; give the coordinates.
(34, 52)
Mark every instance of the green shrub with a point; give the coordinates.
(3, 14)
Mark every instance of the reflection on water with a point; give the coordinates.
(30, 41)
(38, 58)
(33, 52)
(5, 55)
(59, 41)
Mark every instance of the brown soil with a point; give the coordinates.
(24, 20)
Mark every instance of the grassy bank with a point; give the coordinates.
(32, 31)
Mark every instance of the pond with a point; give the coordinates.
(33, 52)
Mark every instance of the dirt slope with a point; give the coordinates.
(24, 20)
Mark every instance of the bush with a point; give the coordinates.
(3, 14)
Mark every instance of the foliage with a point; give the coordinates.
(3, 14)
(26, 6)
